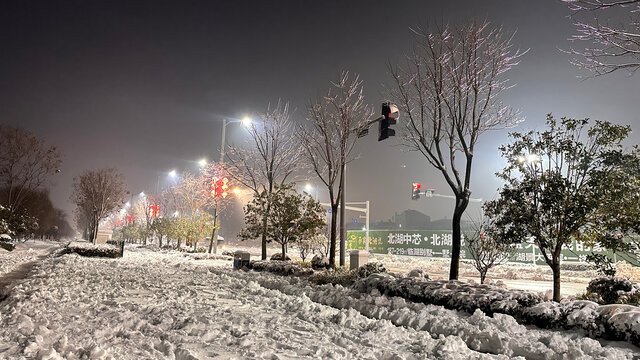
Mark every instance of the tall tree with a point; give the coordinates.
(549, 192)
(610, 47)
(26, 164)
(98, 194)
(449, 93)
(328, 140)
(268, 159)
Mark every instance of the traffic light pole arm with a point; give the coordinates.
(428, 193)
(365, 128)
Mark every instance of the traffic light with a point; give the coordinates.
(389, 117)
(415, 191)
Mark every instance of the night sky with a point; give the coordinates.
(143, 86)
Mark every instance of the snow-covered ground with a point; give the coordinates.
(23, 253)
(166, 305)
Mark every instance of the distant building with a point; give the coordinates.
(410, 220)
(104, 235)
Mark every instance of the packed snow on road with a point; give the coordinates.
(153, 304)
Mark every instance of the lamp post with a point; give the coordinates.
(246, 121)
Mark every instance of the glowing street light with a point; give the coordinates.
(202, 162)
(246, 121)
(529, 158)
(237, 191)
(308, 187)
(128, 204)
(142, 194)
(173, 173)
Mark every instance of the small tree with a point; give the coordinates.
(270, 158)
(98, 194)
(549, 193)
(290, 215)
(486, 247)
(161, 227)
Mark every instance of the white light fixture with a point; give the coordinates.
(246, 121)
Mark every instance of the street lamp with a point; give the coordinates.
(142, 194)
(308, 187)
(202, 162)
(246, 122)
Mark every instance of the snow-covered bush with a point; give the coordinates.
(338, 276)
(371, 268)
(418, 273)
(228, 253)
(7, 245)
(319, 262)
(90, 250)
(613, 290)
(281, 267)
(278, 256)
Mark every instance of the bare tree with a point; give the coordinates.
(611, 47)
(486, 248)
(269, 159)
(329, 139)
(448, 91)
(26, 164)
(98, 194)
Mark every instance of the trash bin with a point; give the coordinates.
(358, 258)
(241, 259)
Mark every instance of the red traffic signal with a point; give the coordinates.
(415, 191)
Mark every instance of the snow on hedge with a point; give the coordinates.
(93, 250)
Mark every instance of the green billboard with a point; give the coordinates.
(437, 244)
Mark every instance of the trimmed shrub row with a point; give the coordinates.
(617, 322)
(90, 250)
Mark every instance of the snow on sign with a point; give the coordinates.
(437, 243)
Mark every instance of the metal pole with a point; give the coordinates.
(343, 228)
(366, 247)
(222, 146)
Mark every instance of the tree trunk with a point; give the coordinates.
(213, 232)
(160, 241)
(284, 252)
(461, 206)
(343, 226)
(179, 240)
(555, 267)
(332, 235)
(483, 276)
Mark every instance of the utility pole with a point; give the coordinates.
(222, 146)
